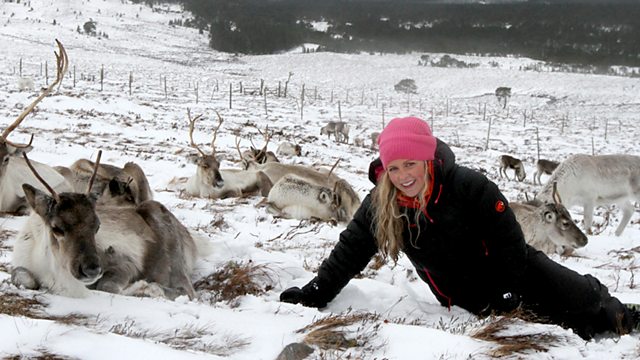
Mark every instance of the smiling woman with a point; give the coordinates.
(457, 229)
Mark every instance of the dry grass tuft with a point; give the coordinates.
(509, 345)
(237, 279)
(330, 333)
(14, 304)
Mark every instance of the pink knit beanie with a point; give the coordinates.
(406, 138)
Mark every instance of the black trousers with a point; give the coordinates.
(563, 296)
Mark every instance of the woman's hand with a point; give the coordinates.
(309, 295)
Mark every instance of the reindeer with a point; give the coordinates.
(374, 139)
(339, 129)
(128, 183)
(13, 169)
(25, 84)
(294, 197)
(503, 94)
(543, 167)
(260, 156)
(69, 245)
(305, 195)
(212, 182)
(289, 149)
(509, 162)
(592, 180)
(549, 227)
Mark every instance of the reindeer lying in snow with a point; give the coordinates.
(293, 196)
(129, 182)
(597, 180)
(549, 227)
(69, 244)
(13, 169)
(212, 182)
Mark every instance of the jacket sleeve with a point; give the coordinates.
(501, 234)
(351, 254)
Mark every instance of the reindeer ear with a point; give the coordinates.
(193, 158)
(39, 201)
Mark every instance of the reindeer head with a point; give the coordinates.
(72, 224)
(520, 173)
(9, 150)
(345, 201)
(208, 165)
(257, 156)
(565, 233)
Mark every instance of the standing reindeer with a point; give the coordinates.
(592, 180)
(503, 94)
(549, 227)
(543, 167)
(509, 162)
(339, 129)
(69, 244)
(13, 169)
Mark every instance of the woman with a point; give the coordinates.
(458, 231)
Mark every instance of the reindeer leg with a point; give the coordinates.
(627, 210)
(588, 216)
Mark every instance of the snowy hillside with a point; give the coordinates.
(154, 72)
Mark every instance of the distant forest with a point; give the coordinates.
(596, 33)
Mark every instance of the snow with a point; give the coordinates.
(572, 113)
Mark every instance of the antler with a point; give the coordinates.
(215, 132)
(95, 172)
(20, 146)
(267, 136)
(555, 194)
(238, 148)
(35, 173)
(192, 123)
(62, 64)
(333, 167)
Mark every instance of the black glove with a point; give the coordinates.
(310, 295)
(506, 302)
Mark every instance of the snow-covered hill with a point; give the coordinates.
(391, 314)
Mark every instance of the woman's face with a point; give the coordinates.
(408, 176)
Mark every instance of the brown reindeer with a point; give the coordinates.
(543, 167)
(509, 162)
(70, 244)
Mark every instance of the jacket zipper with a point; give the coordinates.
(437, 288)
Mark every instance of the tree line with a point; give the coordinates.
(599, 33)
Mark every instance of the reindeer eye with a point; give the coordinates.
(57, 231)
(549, 216)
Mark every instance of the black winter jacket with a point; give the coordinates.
(470, 249)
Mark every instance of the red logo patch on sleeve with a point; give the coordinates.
(500, 206)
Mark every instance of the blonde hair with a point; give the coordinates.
(388, 223)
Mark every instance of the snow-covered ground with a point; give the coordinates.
(391, 314)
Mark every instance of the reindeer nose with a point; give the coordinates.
(91, 269)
